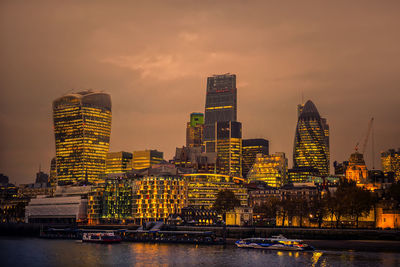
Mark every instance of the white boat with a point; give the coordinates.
(101, 238)
(274, 243)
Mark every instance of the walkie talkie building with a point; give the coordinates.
(311, 142)
(82, 127)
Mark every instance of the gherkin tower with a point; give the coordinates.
(311, 141)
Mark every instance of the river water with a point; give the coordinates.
(41, 252)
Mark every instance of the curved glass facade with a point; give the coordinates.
(311, 143)
(82, 127)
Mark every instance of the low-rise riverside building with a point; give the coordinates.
(240, 216)
(156, 197)
(67, 206)
(204, 187)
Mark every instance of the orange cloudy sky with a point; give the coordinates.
(153, 57)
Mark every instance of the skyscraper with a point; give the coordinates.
(311, 142)
(229, 147)
(118, 162)
(82, 127)
(221, 105)
(391, 162)
(194, 130)
(250, 149)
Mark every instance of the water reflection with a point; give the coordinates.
(39, 252)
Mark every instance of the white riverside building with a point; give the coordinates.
(69, 205)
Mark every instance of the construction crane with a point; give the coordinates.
(370, 124)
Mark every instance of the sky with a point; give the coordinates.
(154, 57)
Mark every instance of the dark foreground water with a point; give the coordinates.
(40, 252)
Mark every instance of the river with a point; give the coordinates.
(42, 252)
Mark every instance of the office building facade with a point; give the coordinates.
(118, 162)
(194, 130)
(229, 147)
(311, 142)
(203, 188)
(271, 169)
(157, 197)
(250, 149)
(390, 161)
(146, 158)
(221, 106)
(82, 127)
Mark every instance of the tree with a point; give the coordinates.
(269, 208)
(226, 201)
(319, 208)
(360, 203)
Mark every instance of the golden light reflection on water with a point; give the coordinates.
(315, 258)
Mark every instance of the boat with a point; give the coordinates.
(274, 243)
(101, 238)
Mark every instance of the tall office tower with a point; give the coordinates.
(82, 127)
(250, 149)
(118, 162)
(221, 105)
(271, 169)
(391, 163)
(311, 142)
(229, 147)
(194, 130)
(145, 158)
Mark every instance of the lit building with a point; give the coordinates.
(271, 169)
(311, 143)
(95, 204)
(357, 170)
(118, 162)
(157, 197)
(67, 206)
(221, 105)
(203, 189)
(146, 158)
(301, 174)
(117, 198)
(194, 130)
(229, 147)
(240, 216)
(82, 127)
(53, 172)
(250, 149)
(391, 162)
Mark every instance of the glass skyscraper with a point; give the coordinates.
(82, 127)
(311, 142)
(221, 105)
(229, 148)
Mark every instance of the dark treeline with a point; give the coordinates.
(347, 201)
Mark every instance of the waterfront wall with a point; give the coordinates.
(300, 233)
(29, 229)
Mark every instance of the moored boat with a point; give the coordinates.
(274, 243)
(101, 238)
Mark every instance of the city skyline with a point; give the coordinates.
(348, 88)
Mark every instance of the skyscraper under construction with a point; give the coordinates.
(82, 127)
(311, 142)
